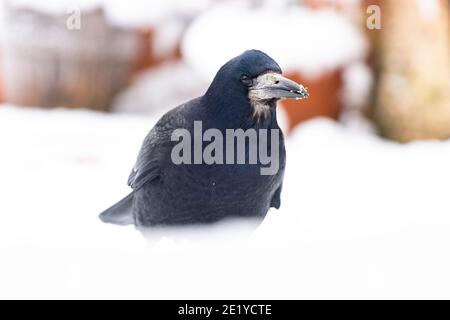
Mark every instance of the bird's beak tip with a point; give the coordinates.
(302, 93)
(292, 89)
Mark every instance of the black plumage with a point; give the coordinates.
(243, 95)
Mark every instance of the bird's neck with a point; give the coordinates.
(240, 114)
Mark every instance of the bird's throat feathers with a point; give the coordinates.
(263, 110)
(243, 112)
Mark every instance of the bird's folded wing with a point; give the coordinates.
(139, 177)
(156, 149)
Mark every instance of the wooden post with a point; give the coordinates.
(413, 95)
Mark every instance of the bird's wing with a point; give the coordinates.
(147, 166)
(156, 149)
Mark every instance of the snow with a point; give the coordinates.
(120, 12)
(167, 90)
(358, 81)
(300, 39)
(429, 8)
(361, 218)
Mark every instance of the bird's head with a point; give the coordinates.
(257, 78)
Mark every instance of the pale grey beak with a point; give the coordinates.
(274, 86)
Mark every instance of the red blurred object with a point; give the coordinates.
(147, 57)
(324, 100)
(1, 91)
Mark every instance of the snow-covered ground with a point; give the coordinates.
(361, 218)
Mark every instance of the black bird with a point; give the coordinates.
(243, 95)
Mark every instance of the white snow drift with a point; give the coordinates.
(361, 218)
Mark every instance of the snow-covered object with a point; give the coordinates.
(358, 82)
(122, 12)
(300, 39)
(361, 218)
(46, 64)
(158, 23)
(429, 8)
(334, 3)
(160, 89)
(352, 9)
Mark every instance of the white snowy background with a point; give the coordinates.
(361, 217)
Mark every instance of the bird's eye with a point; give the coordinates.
(246, 80)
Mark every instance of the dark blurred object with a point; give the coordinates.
(413, 60)
(48, 65)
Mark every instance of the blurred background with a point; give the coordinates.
(365, 208)
(357, 57)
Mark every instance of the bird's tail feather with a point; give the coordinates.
(121, 213)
